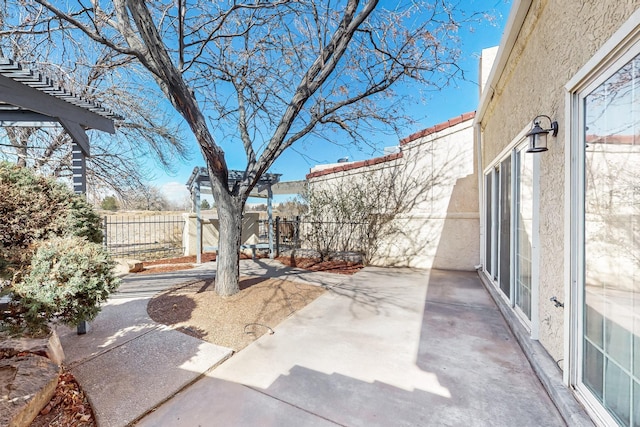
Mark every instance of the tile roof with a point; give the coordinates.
(355, 165)
(439, 127)
(390, 157)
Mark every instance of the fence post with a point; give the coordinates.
(296, 231)
(105, 240)
(277, 236)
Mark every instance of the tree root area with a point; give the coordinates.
(235, 321)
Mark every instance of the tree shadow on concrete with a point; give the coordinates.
(127, 364)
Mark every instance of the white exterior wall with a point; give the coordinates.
(436, 174)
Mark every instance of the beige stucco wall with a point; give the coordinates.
(556, 40)
(210, 233)
(441, 229)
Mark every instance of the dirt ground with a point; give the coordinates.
(236, 321)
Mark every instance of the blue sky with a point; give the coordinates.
(458, 98)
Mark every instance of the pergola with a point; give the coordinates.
(268, 185)
(31, 99)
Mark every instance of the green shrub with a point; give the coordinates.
(34, 208)
(68, 279)
(109, 204)
(51, 262)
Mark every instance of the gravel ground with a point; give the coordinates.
(234, 321)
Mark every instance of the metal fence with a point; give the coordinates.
(317, 236)
(143, 237)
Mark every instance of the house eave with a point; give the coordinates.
(517, 16)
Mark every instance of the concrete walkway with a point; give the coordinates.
(127, 364)
(371, 352)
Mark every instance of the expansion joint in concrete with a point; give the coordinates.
(294, 406)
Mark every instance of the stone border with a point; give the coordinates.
(32, 372)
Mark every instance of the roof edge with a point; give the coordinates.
(519, 11)
(438, 127)
(355, 165)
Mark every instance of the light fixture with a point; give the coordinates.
(538, 136)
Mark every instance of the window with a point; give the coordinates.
(509, 220)
(610, 309)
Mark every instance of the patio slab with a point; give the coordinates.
(386, 347)
(128, 364)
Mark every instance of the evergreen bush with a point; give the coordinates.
(68, 279)
(51, 262)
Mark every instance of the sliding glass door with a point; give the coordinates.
(504, 204)
(610, 315)
(509, 220)
(523, 232)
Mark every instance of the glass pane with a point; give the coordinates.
(505, 226)
(524, 231)
(593, 369)
(612, 240)
(617, 398)
(488, 229)
(636, 403)
(594, 322)
(636, 340)
(618, 343)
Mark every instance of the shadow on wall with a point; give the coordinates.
(438, 226)
(458, 247)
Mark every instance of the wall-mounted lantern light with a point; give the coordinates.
(538, 136)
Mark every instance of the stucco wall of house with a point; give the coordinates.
(436, 173)
(555, 41)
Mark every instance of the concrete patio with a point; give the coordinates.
(386, 347)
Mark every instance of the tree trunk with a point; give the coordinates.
(19, 138)
(228, 260)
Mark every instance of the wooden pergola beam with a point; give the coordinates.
(35, 100)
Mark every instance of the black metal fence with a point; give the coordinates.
(324, 237)
(143, 237)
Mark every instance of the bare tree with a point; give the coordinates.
(359, 212)
(292, 208)
(263, 75)
(117, 163)
(146, 197)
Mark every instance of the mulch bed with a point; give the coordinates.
(69, 407)
(314, 264)
(191, 259)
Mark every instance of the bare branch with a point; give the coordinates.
(88, 31)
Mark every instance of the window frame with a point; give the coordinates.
(517, 145)
(621, 48)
